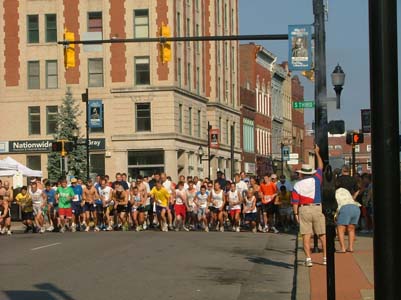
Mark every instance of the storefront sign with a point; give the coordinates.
(300, 47)
(29, 146)
(95, 114)
(250, 168)
(214, 138)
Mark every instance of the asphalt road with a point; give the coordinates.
(147, 265)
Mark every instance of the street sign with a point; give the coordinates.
(303, 104)
(286, 153)
(294, 156)
(293, 162)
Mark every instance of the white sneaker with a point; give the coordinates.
(238, 229)
(275, 229)
(234, 229)
(50, 228)
(165, 228)
(266, 229)
(308, 262)
(185, 228)
(221, 228)
(260, 229)
(144, 226)
(42, 230)
(62, 229)
(254, 230)
(109, 228)
(97, 229)
(9, 232)
(87, 229)
(3, 230)
(206, 229)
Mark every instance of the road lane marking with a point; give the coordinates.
(51, 245)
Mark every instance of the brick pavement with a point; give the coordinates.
(354, 274)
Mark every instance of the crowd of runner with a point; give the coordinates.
(152, 202)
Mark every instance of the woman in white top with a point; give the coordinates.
(234, 201)
(250, 210)
(137, 200)
(201, 201)
(192, 208)
(217, 199)
(180, 206)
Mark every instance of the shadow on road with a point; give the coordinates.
(269, 262)
(47, 291)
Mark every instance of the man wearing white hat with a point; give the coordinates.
(307, 206)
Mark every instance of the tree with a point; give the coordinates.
(67, 116)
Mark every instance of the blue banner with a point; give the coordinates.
(95, 114)
(286, 153)
(300, 47)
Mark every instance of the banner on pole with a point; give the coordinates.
(95, 112)
(214, 138)
(300, 47)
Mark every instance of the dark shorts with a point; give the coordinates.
(214, 210)
(159, 209)
(27, 216)
(76, 208)
(110, 209)
(88, 207)
(145, 208)
(250, 217)
(270, 208)
(122, 209)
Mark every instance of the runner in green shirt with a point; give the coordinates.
(64, 195)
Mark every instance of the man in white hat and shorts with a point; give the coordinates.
(307, 206)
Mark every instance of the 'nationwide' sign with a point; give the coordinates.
(28, 146)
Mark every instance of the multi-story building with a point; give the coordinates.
(298, 124)
(256, 67)
(155, 113)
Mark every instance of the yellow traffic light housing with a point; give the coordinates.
(69, 50)
(165, 47)
(309, 74)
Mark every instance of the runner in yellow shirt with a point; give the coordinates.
(161, 197)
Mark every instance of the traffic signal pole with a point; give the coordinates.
(385, 148)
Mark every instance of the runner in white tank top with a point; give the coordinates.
(201, 201)
(180, 207)
(234, 201)
(250, 210)
(217, 198)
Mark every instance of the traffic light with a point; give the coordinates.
(165, 47)
(69, 50)
(354, 138)
(309, 74)
(336, 127)
(62, 146)
(57, 146)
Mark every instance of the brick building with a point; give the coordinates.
(256, 69)
(155, 114)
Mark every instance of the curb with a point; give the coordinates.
(302, 280)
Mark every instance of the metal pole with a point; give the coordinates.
(87, 136)
(385, 147)
(282, 158)
(353, 159)
(209, 127)
(321, 129)
(232, 151)
(62, 166)
(66, 165)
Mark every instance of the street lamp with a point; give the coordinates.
(338, 79)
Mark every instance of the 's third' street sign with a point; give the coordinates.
(303, 104)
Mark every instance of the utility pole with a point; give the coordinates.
(209, 127)
(385, 147)
(321, 133)
(232, 151)
(85, 99)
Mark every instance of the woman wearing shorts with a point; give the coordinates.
(217, 198)
(250, 211)
(137, 200)
(347, 218)
(191, 212)
(201, 201)
(180, 207)
(234, 201)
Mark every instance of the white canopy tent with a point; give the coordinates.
(13, 167)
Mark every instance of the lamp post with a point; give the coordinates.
(201, 152)
(338, 79)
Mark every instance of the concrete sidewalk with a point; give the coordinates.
(354, 273)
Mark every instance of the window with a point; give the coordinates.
(197, 80)
(33, 75)
(233, 95)
(34, 119)
(142, 70)
(248, 135)
(220, 128)
(51, 119)
(190, 120)
(33, 162)
(141, 23)
(33, 29)
(197, 34)
(338, 147)
(95, 72)
(51, 28)
(218, 89)
(180, 117)
(199, 123)
(368, 148)
(227, 131)
(189, 76)
(99, 129)
(357, 148)
(145, 163)
(369, 165)
(97, 163)
(178, 24)
(233, 59)
(51, 74)
(95, 22)
(226, 54)
(232, 20)
(143, 117)
(179, 72)
(218, 11)
(226, 92)
(188, 29)
(225, 16)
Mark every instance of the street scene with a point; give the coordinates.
(199, 149)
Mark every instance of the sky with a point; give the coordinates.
(347, 43)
